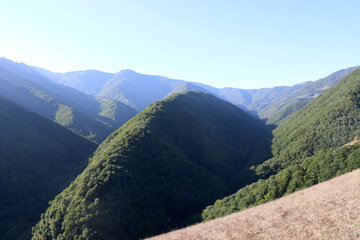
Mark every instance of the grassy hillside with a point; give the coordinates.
(38, 158)
(83, 114)
(326, 211)
(321, 167)
(157, 170)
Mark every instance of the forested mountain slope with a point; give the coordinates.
(38, 158)
(307, 148)
(157, 170)
(298, 95)
(79, 112)
(331, 120)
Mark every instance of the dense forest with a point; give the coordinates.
(158, 170)
(194, 152)
(306, 149)
(321, 167)
(38, 159)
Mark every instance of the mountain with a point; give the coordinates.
(158, 170)
(38, 158)
(329, 210)
(89, 81)
(79, 112)
(300, 93)
(309, 146)
(328, 121)
(279, 102)
(132, 88)
(140, 90)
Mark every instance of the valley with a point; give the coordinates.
(170, 153)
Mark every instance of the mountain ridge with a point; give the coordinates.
(266, 102)
(71, 108)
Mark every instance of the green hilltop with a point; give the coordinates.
(158, 170)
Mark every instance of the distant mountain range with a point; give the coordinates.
(92, 117)
(140, 90)
(137, 91)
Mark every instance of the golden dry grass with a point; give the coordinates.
(330, 210)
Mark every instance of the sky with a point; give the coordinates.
(242, 44)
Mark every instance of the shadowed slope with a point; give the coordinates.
(38, 158)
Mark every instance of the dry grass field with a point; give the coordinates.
(330, 210)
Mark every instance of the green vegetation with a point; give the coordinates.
(88, 116)
(328, 121)
(287, 110)
(305, 148)
(321, 167)
(115, 112)
(38, 159)
(161, 168)
(157, 170)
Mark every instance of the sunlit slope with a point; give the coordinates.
(331, 120)
(329, 210)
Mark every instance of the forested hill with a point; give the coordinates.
(308, 148)
(38, 159)
(331, 120)
(157, 170)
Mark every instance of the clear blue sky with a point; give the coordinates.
(244, 44)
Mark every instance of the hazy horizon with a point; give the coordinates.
(92, 69)
(236, 44)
